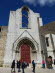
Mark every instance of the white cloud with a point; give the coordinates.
(41, 2)
(30, 1)
(46, 2)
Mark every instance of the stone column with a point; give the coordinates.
(43, 49)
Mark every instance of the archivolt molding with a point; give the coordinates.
(25, 40)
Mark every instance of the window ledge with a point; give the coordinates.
(25, 28)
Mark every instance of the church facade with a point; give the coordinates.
(25, 38)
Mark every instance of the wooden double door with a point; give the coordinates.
(25, 53)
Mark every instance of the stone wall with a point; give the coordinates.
(3, 35)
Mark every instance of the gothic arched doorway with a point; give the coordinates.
(26, 50)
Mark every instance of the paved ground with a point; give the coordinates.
(28, 70)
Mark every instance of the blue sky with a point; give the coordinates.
(46, 8)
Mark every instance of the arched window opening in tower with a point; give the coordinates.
(24, 18)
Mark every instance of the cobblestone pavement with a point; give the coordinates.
(28, 70)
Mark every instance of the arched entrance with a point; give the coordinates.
(26, 50)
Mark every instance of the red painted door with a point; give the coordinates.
(25, 53)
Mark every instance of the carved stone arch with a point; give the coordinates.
(26, 40)
(25, 8)
(29, 51)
